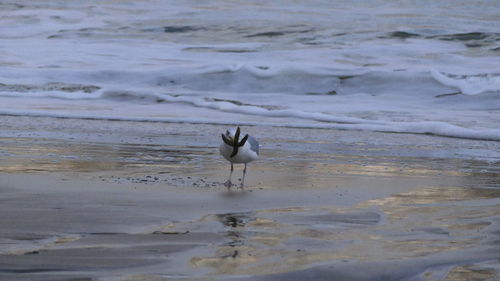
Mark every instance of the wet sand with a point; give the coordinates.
(109, 200)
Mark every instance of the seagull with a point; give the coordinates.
(238, 151)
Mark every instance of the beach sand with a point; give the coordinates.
(114, 200)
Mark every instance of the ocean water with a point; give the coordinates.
(418, 67)
(423, 67)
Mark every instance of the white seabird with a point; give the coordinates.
(238, 151)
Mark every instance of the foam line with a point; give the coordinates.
(430, 128)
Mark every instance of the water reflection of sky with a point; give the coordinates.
(415, 224)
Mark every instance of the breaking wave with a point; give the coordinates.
(303, 96)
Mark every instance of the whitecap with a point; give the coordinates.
(469, 84)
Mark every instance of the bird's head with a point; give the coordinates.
(232, 138)
(229, 134)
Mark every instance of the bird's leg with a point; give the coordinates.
(228, 183)
(243, 178)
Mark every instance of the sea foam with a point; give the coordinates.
(192, 64)
(470, 84)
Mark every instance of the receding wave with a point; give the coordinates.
(302, 118)
(327, 120)
(429, 128)
(341, 122)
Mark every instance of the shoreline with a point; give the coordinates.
(429, 128)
